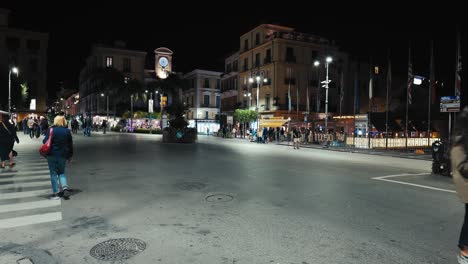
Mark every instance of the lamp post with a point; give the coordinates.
(160, 108)
(258, 81)
(15, 71)
(107, 104)
(328, 60)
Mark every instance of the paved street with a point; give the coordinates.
(228, 201)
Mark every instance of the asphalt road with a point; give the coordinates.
(288, 206)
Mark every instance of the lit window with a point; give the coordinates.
(109, 62)
(376, 69)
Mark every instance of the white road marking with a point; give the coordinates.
(400, 175)
(385, 178)
(29, 205)
(16, 195)
(23, 172)
(30, 220)
(24, 178)
(24, 185)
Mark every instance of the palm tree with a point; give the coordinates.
(172, 85)
(110, 82)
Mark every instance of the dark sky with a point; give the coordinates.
(201, 36)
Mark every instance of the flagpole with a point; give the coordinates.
(308, 95)
(369, 124)
(429, 102)
(355, 104)
(457, 74)
(297, 98)
(289, 100)
(408, 96)
(389, 79)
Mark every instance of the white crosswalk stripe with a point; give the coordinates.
(24, 178)
(30, 220)
(24, 190)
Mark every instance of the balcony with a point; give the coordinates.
(291, 81)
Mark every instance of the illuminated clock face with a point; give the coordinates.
(163, 62)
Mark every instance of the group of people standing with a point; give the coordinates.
(33, 127)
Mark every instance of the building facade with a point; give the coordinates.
(204, 95)
(27, 51)
(128, 62)
(289, 83)
(230, 84)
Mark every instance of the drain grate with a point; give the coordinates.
(190, 186)
(219, 198)
(117, 249)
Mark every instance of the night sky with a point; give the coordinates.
(202, 36)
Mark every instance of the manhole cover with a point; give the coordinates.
(190, 186)
(219, 198)
(118, 249)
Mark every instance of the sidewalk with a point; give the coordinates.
(405, 155)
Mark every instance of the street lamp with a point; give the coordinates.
(328, 60)
(160, 108)
(257, 80)
(15, 71)
(107, 104)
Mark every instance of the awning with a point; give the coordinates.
(272, 122)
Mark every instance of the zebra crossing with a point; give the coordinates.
(24, 191)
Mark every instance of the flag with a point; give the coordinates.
(370, 88)
(458, 68)
(432, 84)
(389, 80)
(410, 78)
(341, 91)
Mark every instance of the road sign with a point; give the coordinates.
(449, 104)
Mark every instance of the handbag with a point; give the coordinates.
(44, 150)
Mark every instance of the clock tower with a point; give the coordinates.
(163, 62)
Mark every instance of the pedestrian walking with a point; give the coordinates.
(265, 135)
(31, 127)
(459, 160)
(296, 134)
(104, 126)
(44, 125)
(87, 126)
(74, 126)
(61, 151)
(7, 140)
(24, 124)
